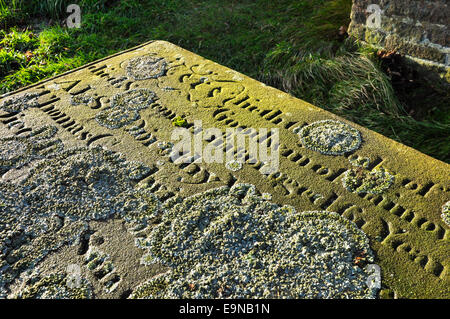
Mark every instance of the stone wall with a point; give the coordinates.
(418, 29)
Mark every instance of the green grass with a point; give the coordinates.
(291, 44)
(347, 79)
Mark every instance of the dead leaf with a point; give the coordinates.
(29, 55)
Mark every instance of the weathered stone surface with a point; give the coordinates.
(415, 28)
(67, 196)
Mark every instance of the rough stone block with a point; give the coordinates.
(416, 29)
(89, 222)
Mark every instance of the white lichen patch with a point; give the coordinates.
(116, 118)
(231, 243)
(136, 130)
(297, 129)
(360, 162)
(19, 103)
(137, 170)
(152, 288)
(446, 213)
(360, 180)
(85, 184)
(266, 196)
(233, 165)
(28, 235)
(136, 99)
(55, 286)
(82, 99)
(165, 148)
(53, 86)
(62, 192)
(146, 67)
(330, 137)
(17, 151)
(125, 107)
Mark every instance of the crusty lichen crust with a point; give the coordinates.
(232, 243)
(330, 137)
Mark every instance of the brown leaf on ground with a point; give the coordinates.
(29, 55)
(342, 33)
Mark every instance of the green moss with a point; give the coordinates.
(374, 36)
(179, 121)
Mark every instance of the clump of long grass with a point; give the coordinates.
(343, 82)
(8, 12)
(347, 79)
(353, 86)
(13, 11)
(50, 8)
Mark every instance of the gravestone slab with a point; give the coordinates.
(93, 204)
